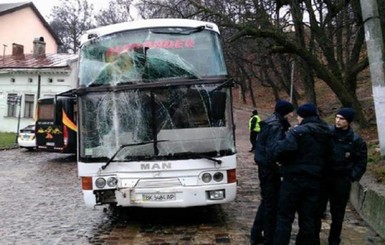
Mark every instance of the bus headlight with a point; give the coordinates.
(218, 176)
(206, 177)
(112, 181)
(100, 182)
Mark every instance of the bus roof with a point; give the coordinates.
(148, 23)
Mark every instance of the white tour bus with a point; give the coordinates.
(155, 121)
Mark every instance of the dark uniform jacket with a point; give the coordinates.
(272, 130)
(349, 154)
(306, 148)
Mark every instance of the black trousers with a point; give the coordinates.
(336, 190)
(253, 138)
(266, 216)
(322, 206)
(298, 194)
(256, 232)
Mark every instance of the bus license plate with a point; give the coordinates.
(159, 197)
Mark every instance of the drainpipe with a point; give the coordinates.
(38, 86)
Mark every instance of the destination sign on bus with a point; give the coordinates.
(166, 44)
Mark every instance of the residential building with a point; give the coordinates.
(22, 22)
(30, 67)
(26, 77)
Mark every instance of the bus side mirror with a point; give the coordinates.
(218, 105)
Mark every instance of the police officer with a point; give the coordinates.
(348, 165)
(304, 149)
(254, 128)
(272, 130)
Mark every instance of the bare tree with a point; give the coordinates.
(70, 19)
(118, 11)
(331, 43)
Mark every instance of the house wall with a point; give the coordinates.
(22, 27)
(61, 81)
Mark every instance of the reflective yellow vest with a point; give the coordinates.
(257, 127)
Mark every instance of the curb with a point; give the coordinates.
(368, 199)
(9, 148)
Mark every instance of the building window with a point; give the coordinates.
(30, 80)
(50, 80)
(13, 80)
(60, 80)
(12, 105)
(28, 105)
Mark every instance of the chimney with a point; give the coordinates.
(17, 51)
(38, 48)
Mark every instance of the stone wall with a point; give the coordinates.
(368, 198)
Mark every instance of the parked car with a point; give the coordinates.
(27, 137)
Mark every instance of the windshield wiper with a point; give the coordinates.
(178, 32)
(227, 83)
(127, 145)
(125, 83)
(204, 156)
(98, 84)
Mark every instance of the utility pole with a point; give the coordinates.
(375, 45)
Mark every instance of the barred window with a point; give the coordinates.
(12, 105)
(28, 105)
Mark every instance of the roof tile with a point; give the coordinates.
(50, 61)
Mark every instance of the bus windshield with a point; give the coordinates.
(46, 111)
(195, 118)
(152, 54)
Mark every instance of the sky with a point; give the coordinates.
(45, 6)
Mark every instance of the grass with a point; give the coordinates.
(7, 140)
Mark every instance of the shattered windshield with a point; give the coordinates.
(146, 55)
(164, 122)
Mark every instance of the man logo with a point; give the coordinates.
(155, 166)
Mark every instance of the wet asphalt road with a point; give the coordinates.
(42, 203)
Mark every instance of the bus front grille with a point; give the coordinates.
(158, 183)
